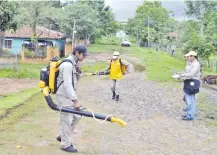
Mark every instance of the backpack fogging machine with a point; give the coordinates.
(48, 78)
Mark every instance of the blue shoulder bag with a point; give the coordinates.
(191, 86)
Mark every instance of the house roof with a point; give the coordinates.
(27, 32)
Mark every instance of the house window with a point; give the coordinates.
(8, 44)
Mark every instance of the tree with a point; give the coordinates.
(7, 13)
(85, 18)
(107, 23)
(152, 15)
(187, 30)
(200, 10)
(36, 13)
(132, 28)
(200, 45)
(200, 32)
(52, 18)
(39, 13)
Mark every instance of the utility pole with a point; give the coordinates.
(73, 35)
(202, 10)
(137, 35)
(148, 31)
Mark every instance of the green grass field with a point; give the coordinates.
(34, 102)
(24, 71)
(159, 66)
(12, 100)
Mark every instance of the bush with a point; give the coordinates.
(7, 53)
(205, 50)
(132, 39)
(108, 40)
(201, 46)
(5, 50)
(30, 54)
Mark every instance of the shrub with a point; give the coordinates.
(108, 40)
(30, 54)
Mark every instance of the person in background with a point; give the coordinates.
(116, 69)
(191, 78)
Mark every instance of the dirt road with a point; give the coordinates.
(153, 116)
(13, 85)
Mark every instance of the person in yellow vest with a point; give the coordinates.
(116, 69)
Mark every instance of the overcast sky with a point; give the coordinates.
(125, 9)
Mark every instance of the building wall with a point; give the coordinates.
(68, 49)
(51, 52)
(17, 44)
(69, 46)
(59, 44)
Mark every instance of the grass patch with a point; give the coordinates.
(97, 66)
(209, 71)
(159, 66)
(108, 40)
(24, 71)
(14, 100)
(35, 102)
(138, 67)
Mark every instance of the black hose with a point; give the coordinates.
(53, 106)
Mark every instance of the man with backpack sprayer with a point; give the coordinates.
(66, 96)
(60, 78)
(116, 69)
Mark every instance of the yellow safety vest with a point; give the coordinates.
(115, 70)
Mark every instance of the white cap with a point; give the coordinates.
(116, 54)
(186, 55)
(191, 53)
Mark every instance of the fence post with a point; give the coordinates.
(216, 65)
(1, 41)
(23, 54)
(16, 65)
(17, 62)
(211, 64)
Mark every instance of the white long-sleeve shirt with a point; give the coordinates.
(66, 71)
(192, 71)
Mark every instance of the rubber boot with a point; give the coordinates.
(70, 149)
(58, 138)
(117, 97)
(113, 96)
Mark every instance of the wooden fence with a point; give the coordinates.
(50, 52)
